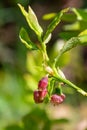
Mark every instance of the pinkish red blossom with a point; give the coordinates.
(39, 95)
(57, 99)
(43, 83)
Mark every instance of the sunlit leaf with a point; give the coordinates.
(32, 20)
(82, 39)
(76, 26)
(60, 72)
(47, 39)
(83, 32)
(55, 22)
(49, 16)
(26, 40)
(23, 10)
(73, 42)
(72, 27)
(69, 17)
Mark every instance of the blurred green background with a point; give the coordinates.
(19, 76)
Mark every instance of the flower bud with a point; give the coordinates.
(39, 96)
(42, 94)
(43, 83)
(49, 70)
(56, 99)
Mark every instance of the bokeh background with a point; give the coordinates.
(18, 77)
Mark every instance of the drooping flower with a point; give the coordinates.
(43, 83)
(57, 99)
(39, 96)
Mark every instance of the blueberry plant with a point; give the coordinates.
(49, 88)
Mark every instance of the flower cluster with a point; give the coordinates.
(53, 93)
(41, 93)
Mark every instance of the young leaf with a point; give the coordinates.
(69, 17)
(47, 39)
(26, 40)
(32, 20)
(49, 16)
(72, 27)
(55, 22)
(72, 42)
(61, 73)
(24, 12)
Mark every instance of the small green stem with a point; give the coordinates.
(72, 85)
(44, 52)
(57, 59)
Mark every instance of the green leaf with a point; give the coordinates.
(24, 12)
(82, 39)
(55, 22)
(26, 40)
(84, 32)
(47, 39)
(72, 27)
(80, 13)
(60, 72)
(72, 42)
(49, 16)
(32, 20)
(69, 17)
(68, 34)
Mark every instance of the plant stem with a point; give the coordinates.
(57, 59)
(72, 85)
(44, 52)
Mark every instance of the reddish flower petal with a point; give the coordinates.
(39, 95)
(43, 83)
